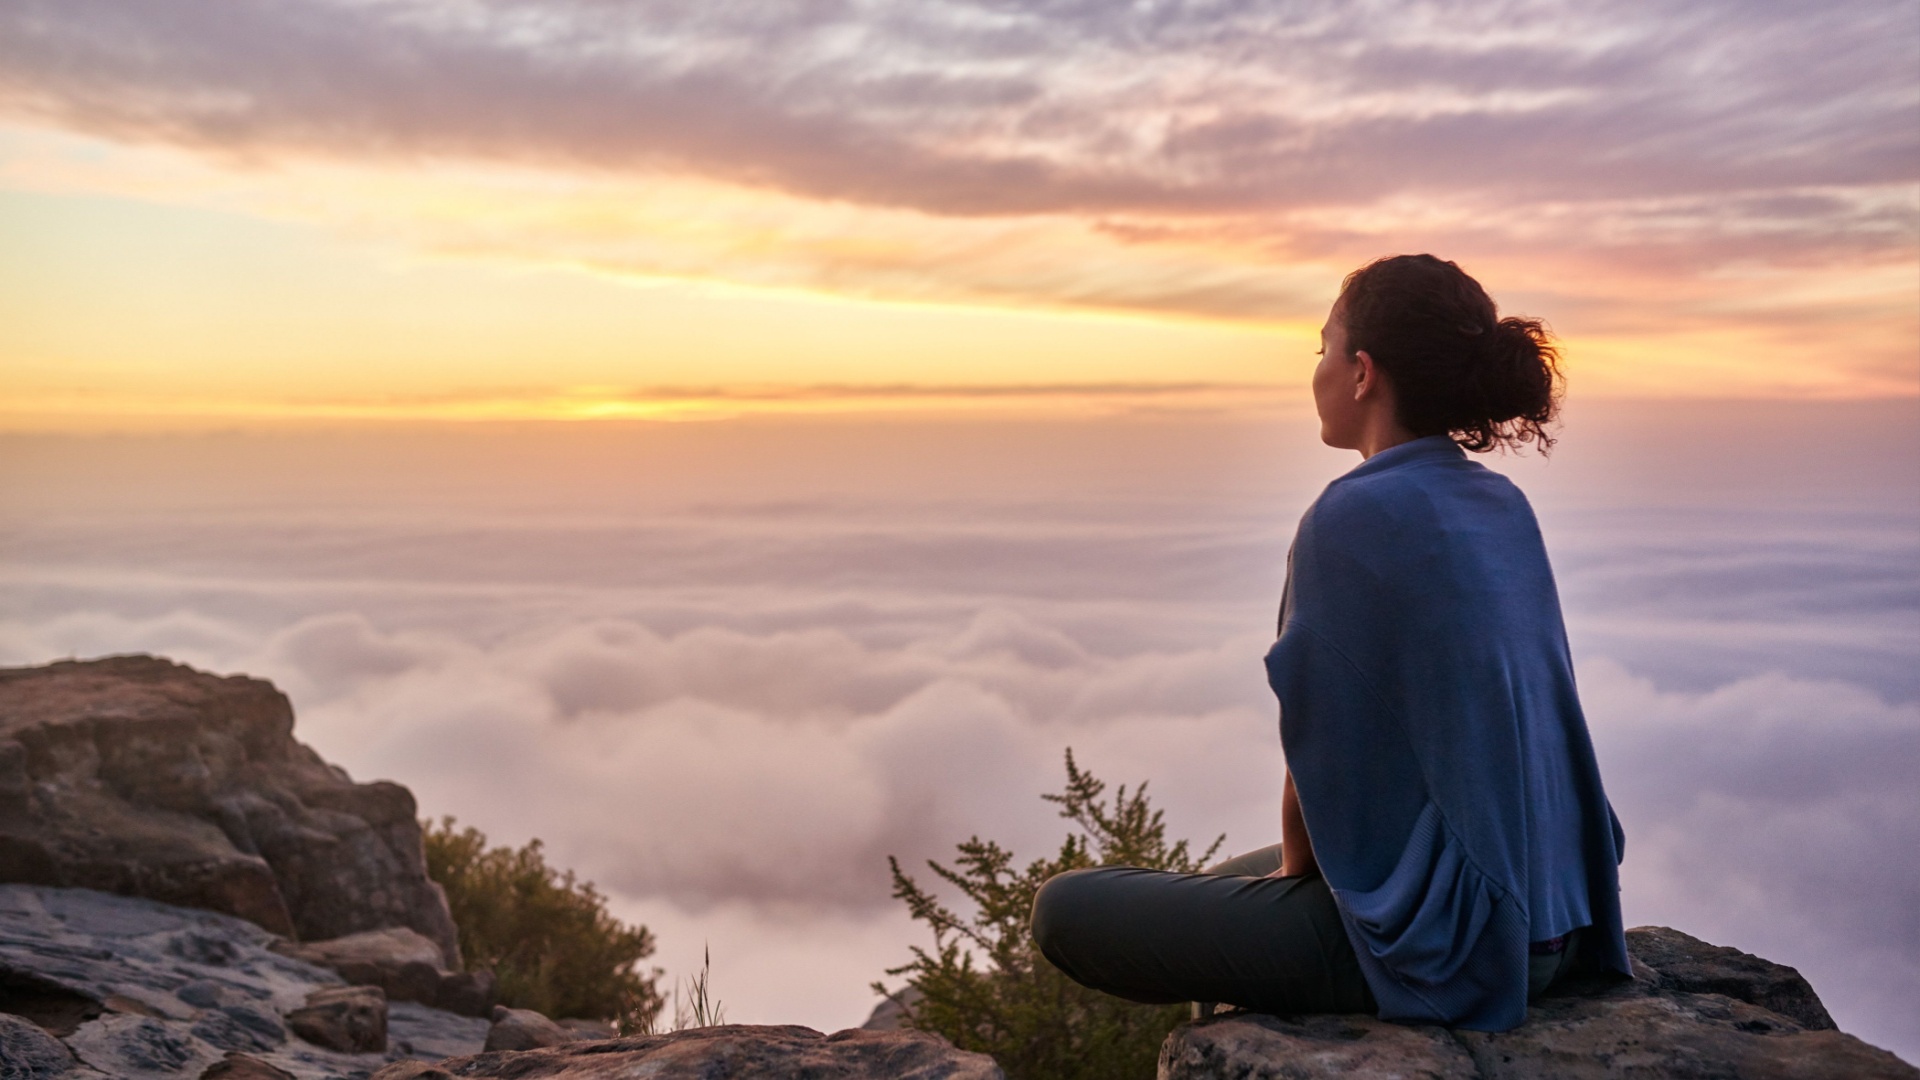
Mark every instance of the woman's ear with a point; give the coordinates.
(1368, 379)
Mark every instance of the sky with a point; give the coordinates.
(468, 209)
(738, 443)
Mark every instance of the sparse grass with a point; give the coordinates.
(699, 1008)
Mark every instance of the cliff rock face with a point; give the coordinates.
(1693, 1011)
(142, 777)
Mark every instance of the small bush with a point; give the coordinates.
(546, 936)
(1013, 1004)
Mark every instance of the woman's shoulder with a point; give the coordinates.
(1423, 496)
(1409, 485)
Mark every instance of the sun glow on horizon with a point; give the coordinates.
(146, 282)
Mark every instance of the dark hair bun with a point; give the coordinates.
(1456, 368)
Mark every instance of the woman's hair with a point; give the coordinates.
(1456, 367)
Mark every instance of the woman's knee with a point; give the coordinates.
(1063, 902)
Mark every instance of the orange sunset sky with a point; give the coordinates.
(419, 209)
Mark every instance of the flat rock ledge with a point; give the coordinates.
(726, 1052)
(1693, 1011)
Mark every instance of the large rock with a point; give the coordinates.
(525, 1029)
(1694, 1011)
(469, 993)
(138, 776)
(895, 1011)
(138, 989)
(132, 1047)
(1680, 962)
(1678, 1035)
(29, 1053)
(403, 963)
(350, 1019)
(727, 1052)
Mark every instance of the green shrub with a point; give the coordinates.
(547, 937)
(1011, 1003)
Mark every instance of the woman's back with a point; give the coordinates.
(1444, 833)
(1431, 724)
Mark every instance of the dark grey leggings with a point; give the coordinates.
(1230, 935)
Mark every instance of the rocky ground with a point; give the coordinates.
(1693, 1011)
(726, 1052)
(135, 989)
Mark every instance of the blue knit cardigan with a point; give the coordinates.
(1436, 742)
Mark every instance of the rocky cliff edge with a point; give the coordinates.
(142, 777)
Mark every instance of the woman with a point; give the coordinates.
(1447, 851)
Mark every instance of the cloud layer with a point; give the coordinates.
(985, 108)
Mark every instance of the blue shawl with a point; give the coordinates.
(1435, 739)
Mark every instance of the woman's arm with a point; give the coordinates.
(1296, 849)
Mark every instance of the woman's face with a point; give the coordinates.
(1334, 383)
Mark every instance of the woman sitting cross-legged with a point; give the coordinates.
(1447, 851)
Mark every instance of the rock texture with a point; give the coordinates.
(30, 1053)
(728, 1052)
(1694, 1011)
(469, 993)
(892, 1011)
(588, 1029)
(524, 1029)
(350, 1019)
(138, 776)
(135, 989)
(405, 964)
(1679, 962)
(244, 1067)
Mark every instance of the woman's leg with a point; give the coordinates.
(1256, 863)
(1263, 943)
(1545, 970)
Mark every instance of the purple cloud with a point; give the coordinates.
(1205, 109)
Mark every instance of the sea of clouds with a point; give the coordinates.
(725, 670)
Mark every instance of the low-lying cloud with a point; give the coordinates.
(716, 770)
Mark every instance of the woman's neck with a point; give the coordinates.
(1382, 432)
